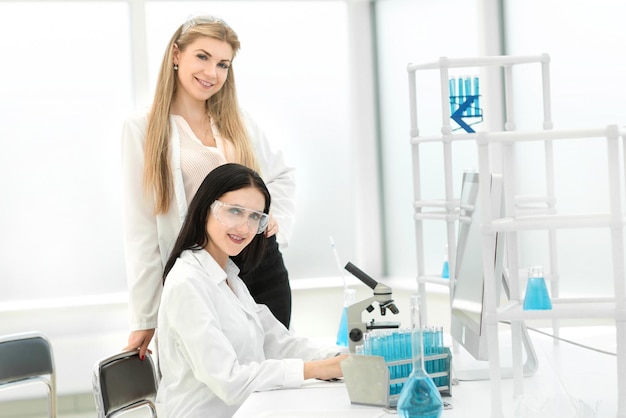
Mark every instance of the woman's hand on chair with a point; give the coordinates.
(139, 340)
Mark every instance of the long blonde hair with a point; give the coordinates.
(222, 107)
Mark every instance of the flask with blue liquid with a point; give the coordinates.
(349, 297)
(419, 397)
(537, 296)
(445, 270)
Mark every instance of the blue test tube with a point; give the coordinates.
(468, 93)
(425, 348)
(461, 90)
(387, 339)
(452, 88)
(397, 354)
(408, 351)
(477, 94)
(443, 361)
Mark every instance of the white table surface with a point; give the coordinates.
(571, 382)
(314, 399)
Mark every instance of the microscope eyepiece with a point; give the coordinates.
(360, 274)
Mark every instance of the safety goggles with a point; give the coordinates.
(233, 216)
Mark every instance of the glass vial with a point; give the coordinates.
(419, 397)
(537, 296)
(349, 297)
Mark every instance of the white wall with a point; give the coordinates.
(586, 74)
(416, 32)
(586, 71)
(68, 85)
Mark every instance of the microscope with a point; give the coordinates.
(382, 294)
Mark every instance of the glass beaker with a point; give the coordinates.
(537, 296)
(349, 297)
(419, 397)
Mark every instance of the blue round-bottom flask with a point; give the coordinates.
(420, 398)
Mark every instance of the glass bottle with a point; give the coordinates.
(536, 297)
(419, 397)
(349, 297)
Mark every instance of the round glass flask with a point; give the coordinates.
(419, 397)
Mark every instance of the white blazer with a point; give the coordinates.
(148, 238)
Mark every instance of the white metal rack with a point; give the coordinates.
(447, 208)
(511, 223)
(519, 217)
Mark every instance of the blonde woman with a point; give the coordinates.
(193, 126)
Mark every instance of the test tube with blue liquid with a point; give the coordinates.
(452, 88)
(477, 94)
(468, 92)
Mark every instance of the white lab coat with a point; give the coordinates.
(148, 239)
(217, 345)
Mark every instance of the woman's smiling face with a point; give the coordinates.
(227, 241)
(202, 67)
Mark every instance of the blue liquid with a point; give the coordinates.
(452, 88)
(420, 398)
(342, 332)
(468, 92)
(477, 94)
(537, 297)
(445, 271)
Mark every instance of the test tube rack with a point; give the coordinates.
(369, 378)
(464, 103)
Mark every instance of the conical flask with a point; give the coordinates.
(445, 270)
(349, 297)
(419, 397)
(537, 296)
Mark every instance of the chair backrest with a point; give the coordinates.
(25, 358)
(124, 382)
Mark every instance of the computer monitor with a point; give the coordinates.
(467, 325)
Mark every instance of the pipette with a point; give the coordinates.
(343, 277)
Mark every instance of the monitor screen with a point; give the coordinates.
(466, 322)
(468, 291)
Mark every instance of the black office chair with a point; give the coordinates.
(26, 358)
(123, 382)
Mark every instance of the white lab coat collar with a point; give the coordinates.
(217, 275)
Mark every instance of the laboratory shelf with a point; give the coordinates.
(534, 222)
(520, 213)
(501, 60)
(434, 280)
(561, 309)
(444, 138)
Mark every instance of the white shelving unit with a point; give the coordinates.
(511, 223)
(520, 214)
(447, 208)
